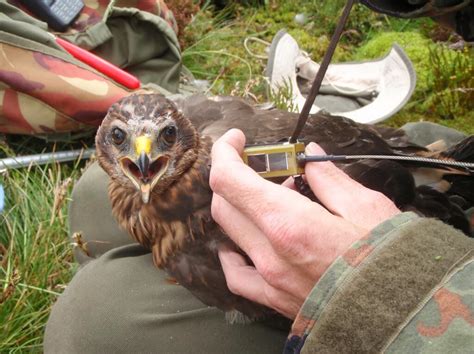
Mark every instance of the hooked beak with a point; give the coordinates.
(143, 171)
(143, 164)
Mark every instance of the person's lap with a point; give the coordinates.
(120, 302)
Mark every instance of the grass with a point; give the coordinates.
(35, 255)
(214, 51)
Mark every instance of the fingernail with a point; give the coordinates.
(314, 149)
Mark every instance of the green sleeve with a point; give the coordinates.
(406, 287)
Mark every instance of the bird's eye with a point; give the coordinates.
(169, 135)
(118, 136)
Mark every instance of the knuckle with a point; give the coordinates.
(232, 284)
(274, 274)
(381, 206)
(377, 200)
(379, 197)
(273, 296)
(269, 271)
(278, 299)
(282, 235)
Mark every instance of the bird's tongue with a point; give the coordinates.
(146, 176)
(145, 190)
(154, 172)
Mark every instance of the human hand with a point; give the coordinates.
(290, 239)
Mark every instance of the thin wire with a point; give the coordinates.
(321, 158)
(321, 72)
(45, 158)
(255, 39)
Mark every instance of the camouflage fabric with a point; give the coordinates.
(94, 11)
(43, 89)
(52, 96)
(440, 316)
(458, 14)
(447, 316)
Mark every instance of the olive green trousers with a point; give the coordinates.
(118, 302)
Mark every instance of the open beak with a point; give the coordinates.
(143, 171)
(144, 167)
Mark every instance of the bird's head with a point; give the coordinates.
(145, 143)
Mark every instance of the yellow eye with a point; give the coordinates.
(118, 136)
(168, 135)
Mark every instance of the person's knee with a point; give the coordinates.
(120, 303)
(98, 312)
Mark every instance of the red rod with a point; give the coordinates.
(105, 67)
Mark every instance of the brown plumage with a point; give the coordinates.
(175, 224)
(157, 154)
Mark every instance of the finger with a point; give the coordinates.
(227, 162)
(280, 214)
(344, 196)
(229, 176)
(241, 230)
(289, 183)
(271, 207)
(244, 280)
(273, 255)
(254, 243)
(257, 246)
(229, 147)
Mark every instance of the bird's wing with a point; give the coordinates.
(337, 135)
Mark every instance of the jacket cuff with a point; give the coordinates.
(365, 294)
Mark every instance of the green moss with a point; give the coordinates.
(416, 46)
(453, 82)
(445, 79)
(215, 52)
(317, 46)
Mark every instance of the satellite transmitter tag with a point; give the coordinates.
(274, 160)
(287, 158)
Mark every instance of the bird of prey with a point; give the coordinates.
(157, 154)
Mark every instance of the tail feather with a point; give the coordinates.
(431, 203)
(462, 151)
(462, 186)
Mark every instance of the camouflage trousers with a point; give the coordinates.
(118, 302)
